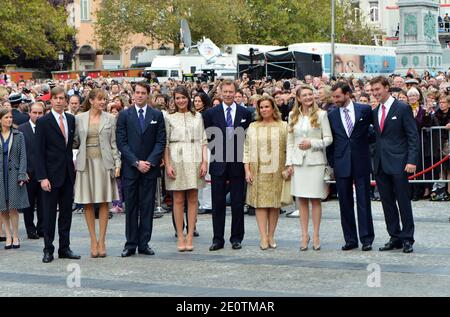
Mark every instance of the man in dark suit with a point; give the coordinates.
(397, 148)
(141, 138)
(18, 117)
(350, 158)
(33, 186)
(55, 171)
(226, 125)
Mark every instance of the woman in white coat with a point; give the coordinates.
(309, 134)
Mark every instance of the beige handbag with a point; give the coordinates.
(286, 196)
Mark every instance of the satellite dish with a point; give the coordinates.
(208, 50)
(186, 35)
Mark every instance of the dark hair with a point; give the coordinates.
(276, 93)
(121, 101)
(239, 91)
(363, 94)
(4, 112)
(76, 96)
(181, 90)
(205, 99)
(380, 80)
(143, 84)
(86, 106)
(343, 86)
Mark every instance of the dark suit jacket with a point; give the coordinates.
(54, 158)
(350, 156)
(19, 117)
(215, 118)
(30, 144)
(398, 144)
(136, 146)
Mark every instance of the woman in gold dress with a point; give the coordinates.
(264, 158)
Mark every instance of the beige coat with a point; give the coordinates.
(320, 138)
(107, 136)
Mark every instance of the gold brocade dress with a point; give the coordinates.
(265, 151)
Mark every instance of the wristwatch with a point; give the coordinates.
(136, 164)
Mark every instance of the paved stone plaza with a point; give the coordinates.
(249, 272)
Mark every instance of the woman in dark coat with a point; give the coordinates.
(13, 175)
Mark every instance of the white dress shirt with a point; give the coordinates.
(351, 113)
(388, 105)
(143, 108)
(66, 128)
(33, 126)
(233, 111)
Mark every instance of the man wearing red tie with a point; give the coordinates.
(397, 146)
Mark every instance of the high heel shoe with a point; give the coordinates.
(189, 247)
(305, 248)
(264, 245)
(182, 247)
(272, 244)
(316, 248)
(16, 246)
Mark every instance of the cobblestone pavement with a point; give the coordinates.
(248, 272)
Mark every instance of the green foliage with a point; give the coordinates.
(33, 28)
(274, 22)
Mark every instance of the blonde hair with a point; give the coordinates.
(295, 113)
(276, 112)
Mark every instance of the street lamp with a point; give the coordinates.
(61, 59)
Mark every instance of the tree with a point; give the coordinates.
(33, 29)
(160, 20)
(275, 22)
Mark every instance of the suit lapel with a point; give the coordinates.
(103, 120)
(237, 117)
(389, 115)
(222, 117)
(148, 118)
(55, 125)
(357, 115)
(336, 117)
(134, 119)
(376, 122)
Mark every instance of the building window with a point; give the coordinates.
(374, 11)
(85, 10)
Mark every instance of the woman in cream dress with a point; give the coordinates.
(97, 165)
(309, 134)
(185, 158)
(264, 159)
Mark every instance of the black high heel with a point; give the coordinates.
(307, 243)
(16, 246)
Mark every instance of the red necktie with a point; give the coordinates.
(383, 117)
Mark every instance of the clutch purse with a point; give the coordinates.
(286, 197)
(329, 173)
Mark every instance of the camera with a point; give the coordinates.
(25, 90)
(448, 88)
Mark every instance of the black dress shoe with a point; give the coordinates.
(33, 236)
(236, 246)
(349, 246)
(196, 234)
(8, 247)
(16, 246)
(48, 257)
(147, 251)
(157, 215)
(407, 247)
(366, 247)
(2, 239)
(68, 255)
(391, 246)
(127, 252)
(215, 247)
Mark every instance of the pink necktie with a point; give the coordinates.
(383, 117)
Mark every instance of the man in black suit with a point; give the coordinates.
(18, 117)
(397, 148)
(141, 138)
(226, 125)
(33, 186)
(350, 158)
(55, 171)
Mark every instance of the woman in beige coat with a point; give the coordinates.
(97, 165)
(309, 134)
